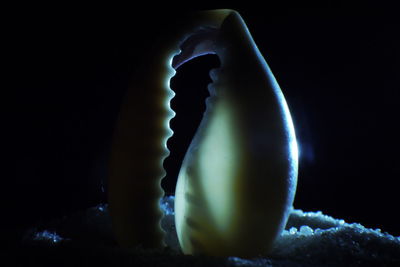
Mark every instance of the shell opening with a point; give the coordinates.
(190, 85)
(199, 43)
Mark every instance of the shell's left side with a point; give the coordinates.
(141, 133)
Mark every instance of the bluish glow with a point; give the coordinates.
(101, 208)
(306, 230)
(236, 261)
(167, 205)
(298, 150)
(53, 237)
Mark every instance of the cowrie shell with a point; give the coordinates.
(237, 182)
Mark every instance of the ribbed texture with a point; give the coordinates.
(139, 150)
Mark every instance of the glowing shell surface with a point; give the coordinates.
(238, 179)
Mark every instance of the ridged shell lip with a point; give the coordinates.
(199, 43)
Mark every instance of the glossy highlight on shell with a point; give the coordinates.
(238, 179)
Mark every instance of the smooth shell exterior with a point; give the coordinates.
(238, 179)
(237, 183)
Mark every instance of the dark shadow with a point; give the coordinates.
(190, 86)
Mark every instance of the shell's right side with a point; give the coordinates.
(237, 183)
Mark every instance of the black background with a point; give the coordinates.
(66, 70)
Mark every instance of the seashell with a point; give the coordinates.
(238, 179)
